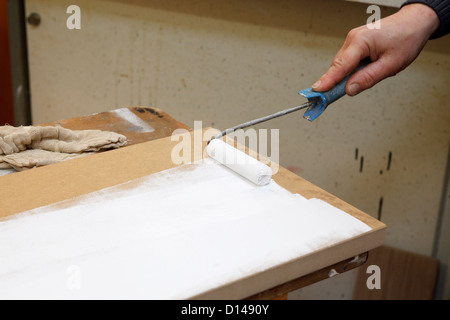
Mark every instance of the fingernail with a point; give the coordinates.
(353, 89)
(317, 84)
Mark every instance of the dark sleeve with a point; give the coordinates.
(442, 9)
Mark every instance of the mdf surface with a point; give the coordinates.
(141, 124)
(84, 175)
(138, 124)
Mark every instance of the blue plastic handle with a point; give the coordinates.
(323, 99)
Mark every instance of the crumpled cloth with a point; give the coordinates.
(27, 147)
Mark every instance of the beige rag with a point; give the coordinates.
(33, 146)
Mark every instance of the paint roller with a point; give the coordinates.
(254, 170)
(239, 162)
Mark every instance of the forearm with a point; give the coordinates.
(420, 19)
(441, 9)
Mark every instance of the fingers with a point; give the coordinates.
(346, 60)
(390, 49)
(369, 76)
(341, 67)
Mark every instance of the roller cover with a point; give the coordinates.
(239, 162)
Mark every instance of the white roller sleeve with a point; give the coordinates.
(241, 163)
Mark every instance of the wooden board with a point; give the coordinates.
(31, 189)
(280, 292)
(163, 124)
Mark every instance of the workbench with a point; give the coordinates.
(143, 124)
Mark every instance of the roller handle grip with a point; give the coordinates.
(338, 90)
(324, 99)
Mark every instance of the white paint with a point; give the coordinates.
(171, 235)
(355, 259)
(139, 124)
(241, 163)
(332, 273)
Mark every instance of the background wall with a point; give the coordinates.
(391, 3)
(228, 61)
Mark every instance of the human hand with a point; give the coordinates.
(391, 49)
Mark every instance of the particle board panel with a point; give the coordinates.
(138, 124)
(81, 176)
(316, 276)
